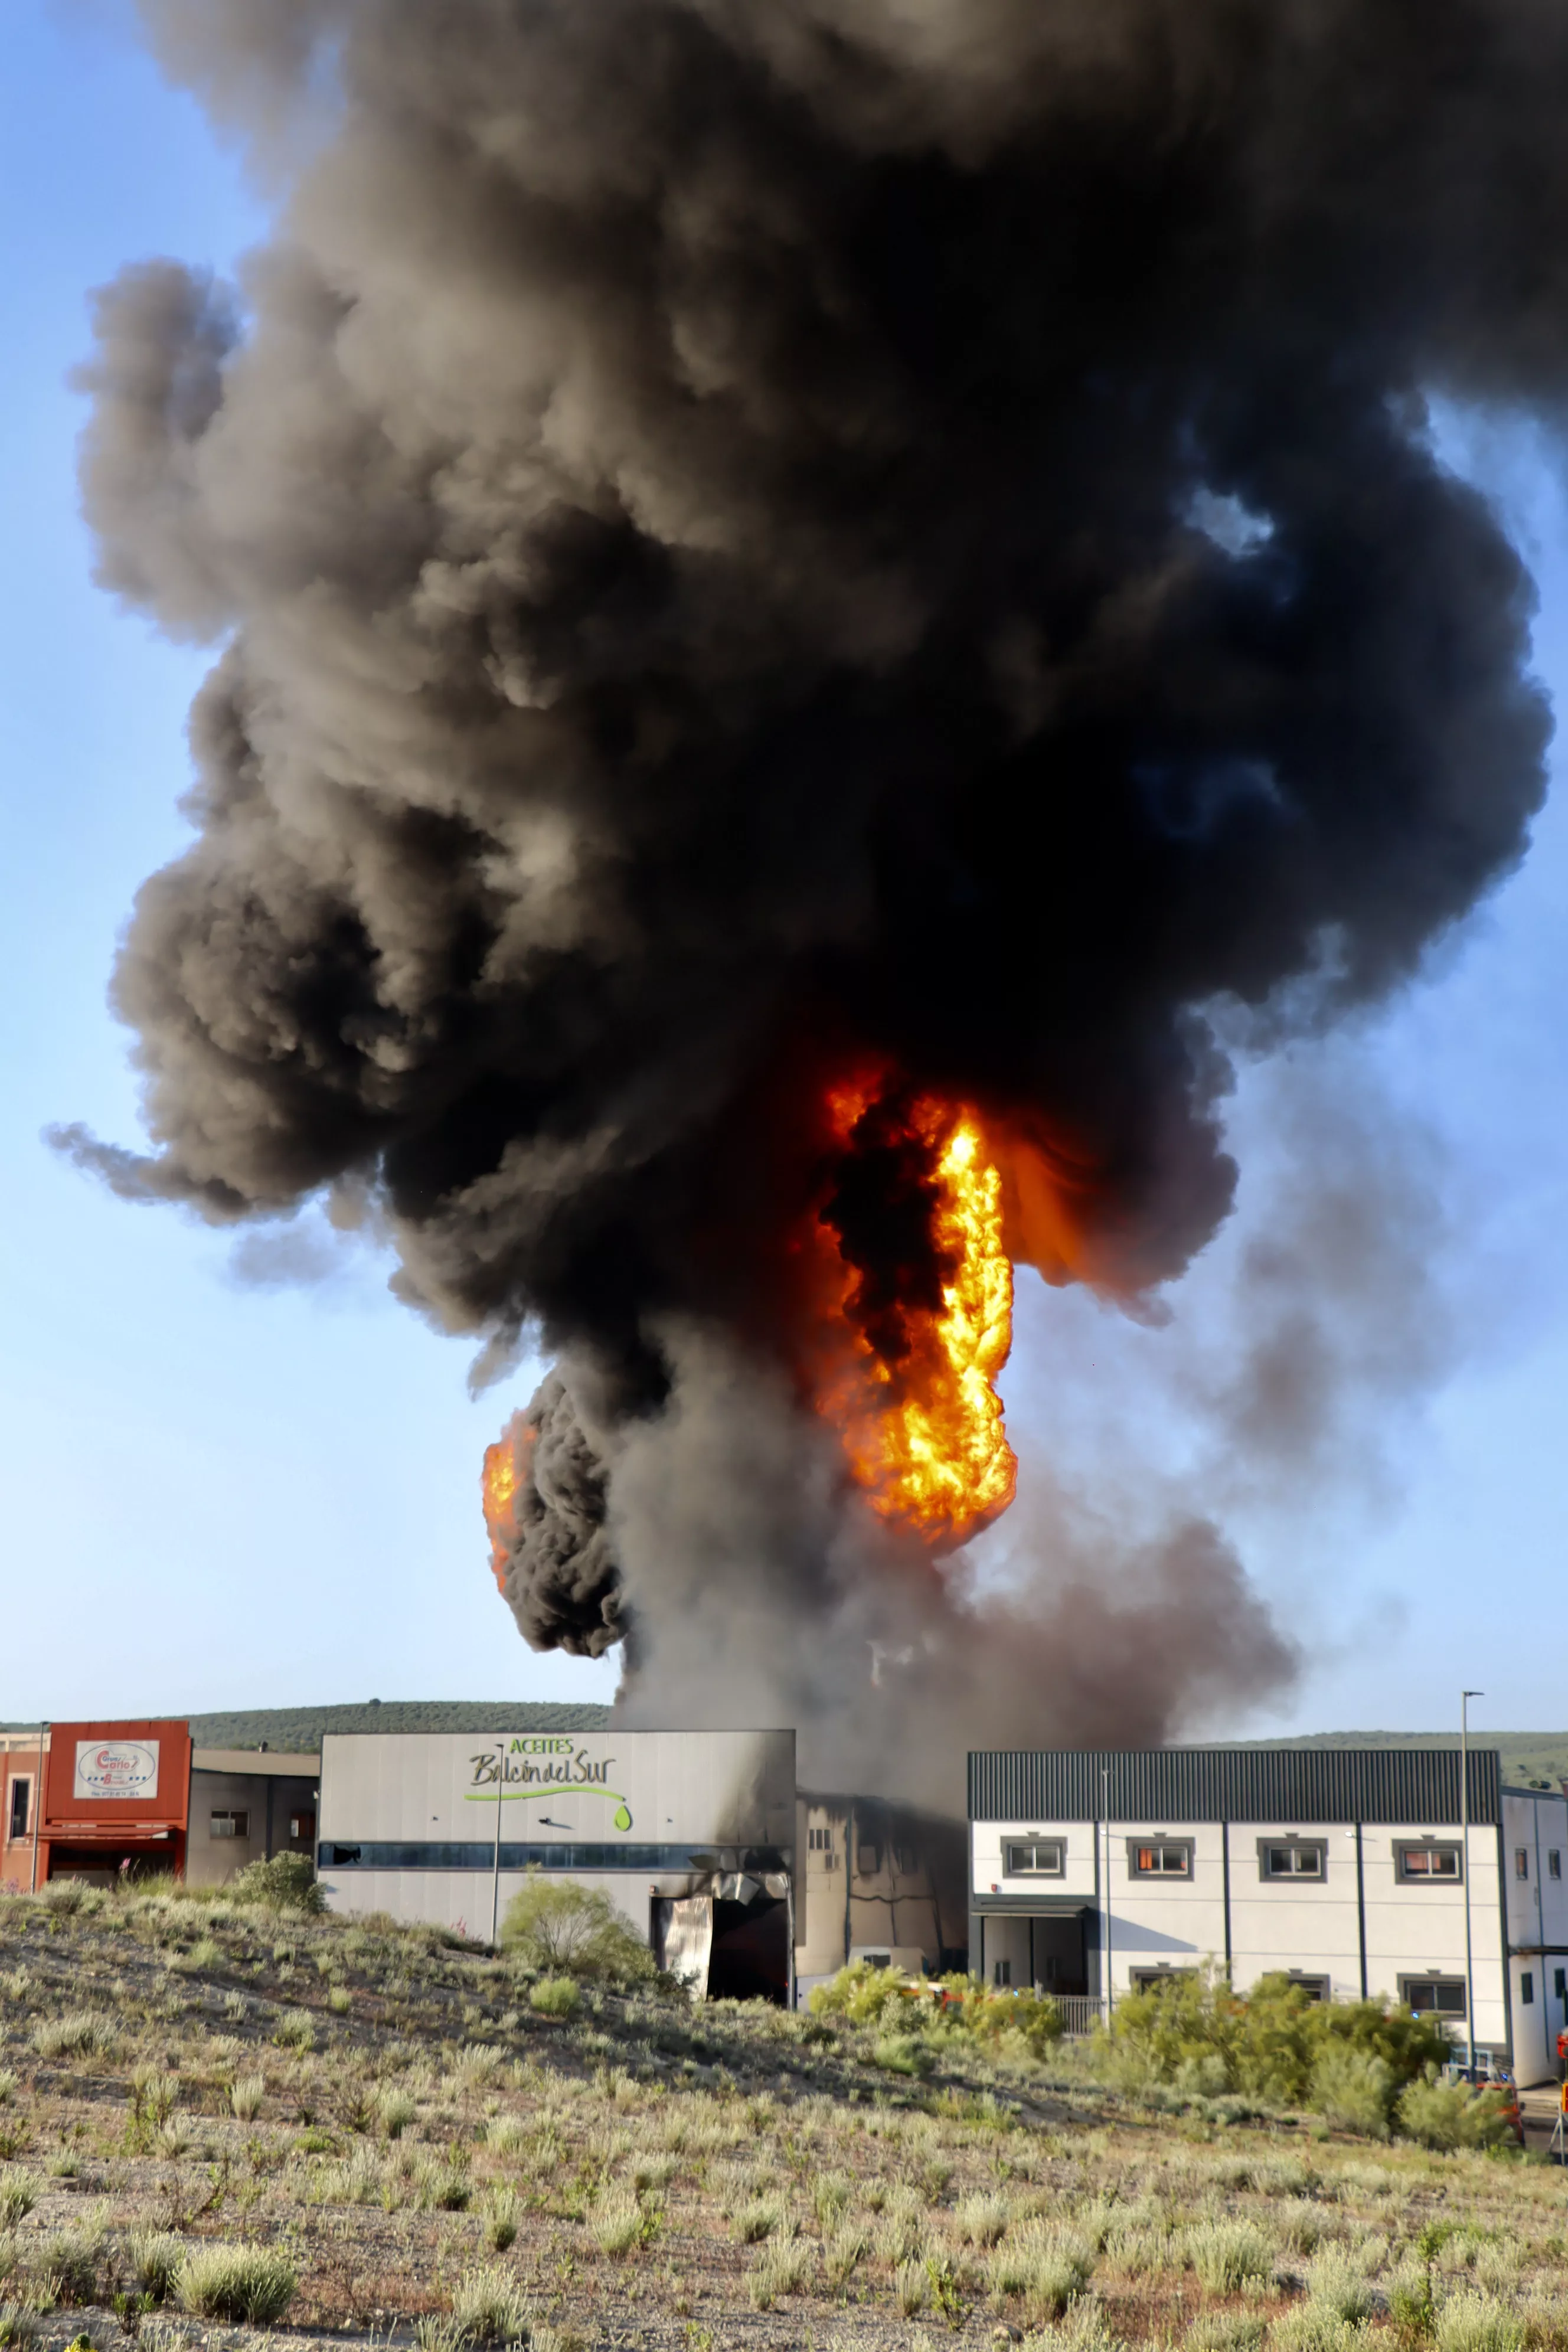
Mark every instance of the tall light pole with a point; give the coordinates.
(1464, 1699)
(1109, 1995)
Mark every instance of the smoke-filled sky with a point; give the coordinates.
(1360, 1379)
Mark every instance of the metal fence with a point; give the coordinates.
(1081, 2012)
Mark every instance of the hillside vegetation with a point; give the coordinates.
(218, 2117)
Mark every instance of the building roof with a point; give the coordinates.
(1159, 1785)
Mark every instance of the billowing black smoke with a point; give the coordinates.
(742, 536)
(556, 1569)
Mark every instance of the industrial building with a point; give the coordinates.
(135, 1798)
(1092, 1875)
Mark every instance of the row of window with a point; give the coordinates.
(1415, 1863)
(868, 1854)
(1522, 1862)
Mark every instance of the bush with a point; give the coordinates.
(287, 1882)
(1226, 2256)
(858, 1993)
(1196, 2036)
(1451, 2114)
(1354, 2089)
(296, 2030)
(77, 2033)
(564, 1929)
(18, 2195)
(489, 2307)
(245, 2095)
(1473, 2323)
(253, 2285)
(555, 1996)
(904, 2054)
(155, 2256)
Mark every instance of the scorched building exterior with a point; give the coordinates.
(689, 1833)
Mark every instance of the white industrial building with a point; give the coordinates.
(689, 1833)
(1347, 1869)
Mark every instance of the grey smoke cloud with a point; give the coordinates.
(740, 537)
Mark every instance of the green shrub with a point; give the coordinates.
(287, 1882)
(904, 2054)
(18, 2195)
(77, 2032)
(1451, 2114)
(1227, 2256)
(569, 1930)
(253, 2285)
(489, 2307)
(1335, 2283)
(1354, 2089)
(155, 2257)
(70, 2260)
(858, 1993)
(1468, 2322)
(1195, 2035)
(245, 2095)
(295, 2029)
(555, 1996)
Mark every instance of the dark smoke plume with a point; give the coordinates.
(557, 1573)
(745, 538)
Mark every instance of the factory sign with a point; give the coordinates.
(123, 1771)
(526, 1770)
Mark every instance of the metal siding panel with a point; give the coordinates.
(1210, 1784)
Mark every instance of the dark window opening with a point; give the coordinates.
(1152, 1980)
(230, 1825)
(1293, 1857)
(869, 1858)
(21, 1807)
(1553, 1862)
(1522, 1862)
(1527, 1988)
(1434, 1995)
(1560, 1983)
(1032, 1858)
(1315, 1988)
(1002, 1974)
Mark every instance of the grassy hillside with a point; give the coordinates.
(386, 2138)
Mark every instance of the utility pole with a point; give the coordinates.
(1105, 1791)
(495, 1867)
(1464, 1699)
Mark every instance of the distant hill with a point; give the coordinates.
(297, 1729)
(1526, 1756)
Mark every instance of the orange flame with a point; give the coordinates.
(926, 1438)
(499, 1487)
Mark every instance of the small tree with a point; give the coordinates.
(287, 1882)
(563, 1929)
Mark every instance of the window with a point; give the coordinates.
(1032, 1858)
(1553, 1862)
(1150, 1979)
(1420, 1865)
(1293, 1857)
(1002, 1974)
(1434, 1995)
(302, 1826)
(1159, 1857)
(1560, 1983)
(1526, 1988)
(819, 1841)
(1522, 1862)
(1315, 1988)
(869, 1857)
(230, 1825)
(906, 1860)
(21, 1807)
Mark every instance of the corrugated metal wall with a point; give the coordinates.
(1215, 1784)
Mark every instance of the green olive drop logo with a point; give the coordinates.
(541, 1765)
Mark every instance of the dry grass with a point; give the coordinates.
(371, 2130)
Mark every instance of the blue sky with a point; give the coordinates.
(219, 1495)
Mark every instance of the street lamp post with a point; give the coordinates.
(1464, 1699)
